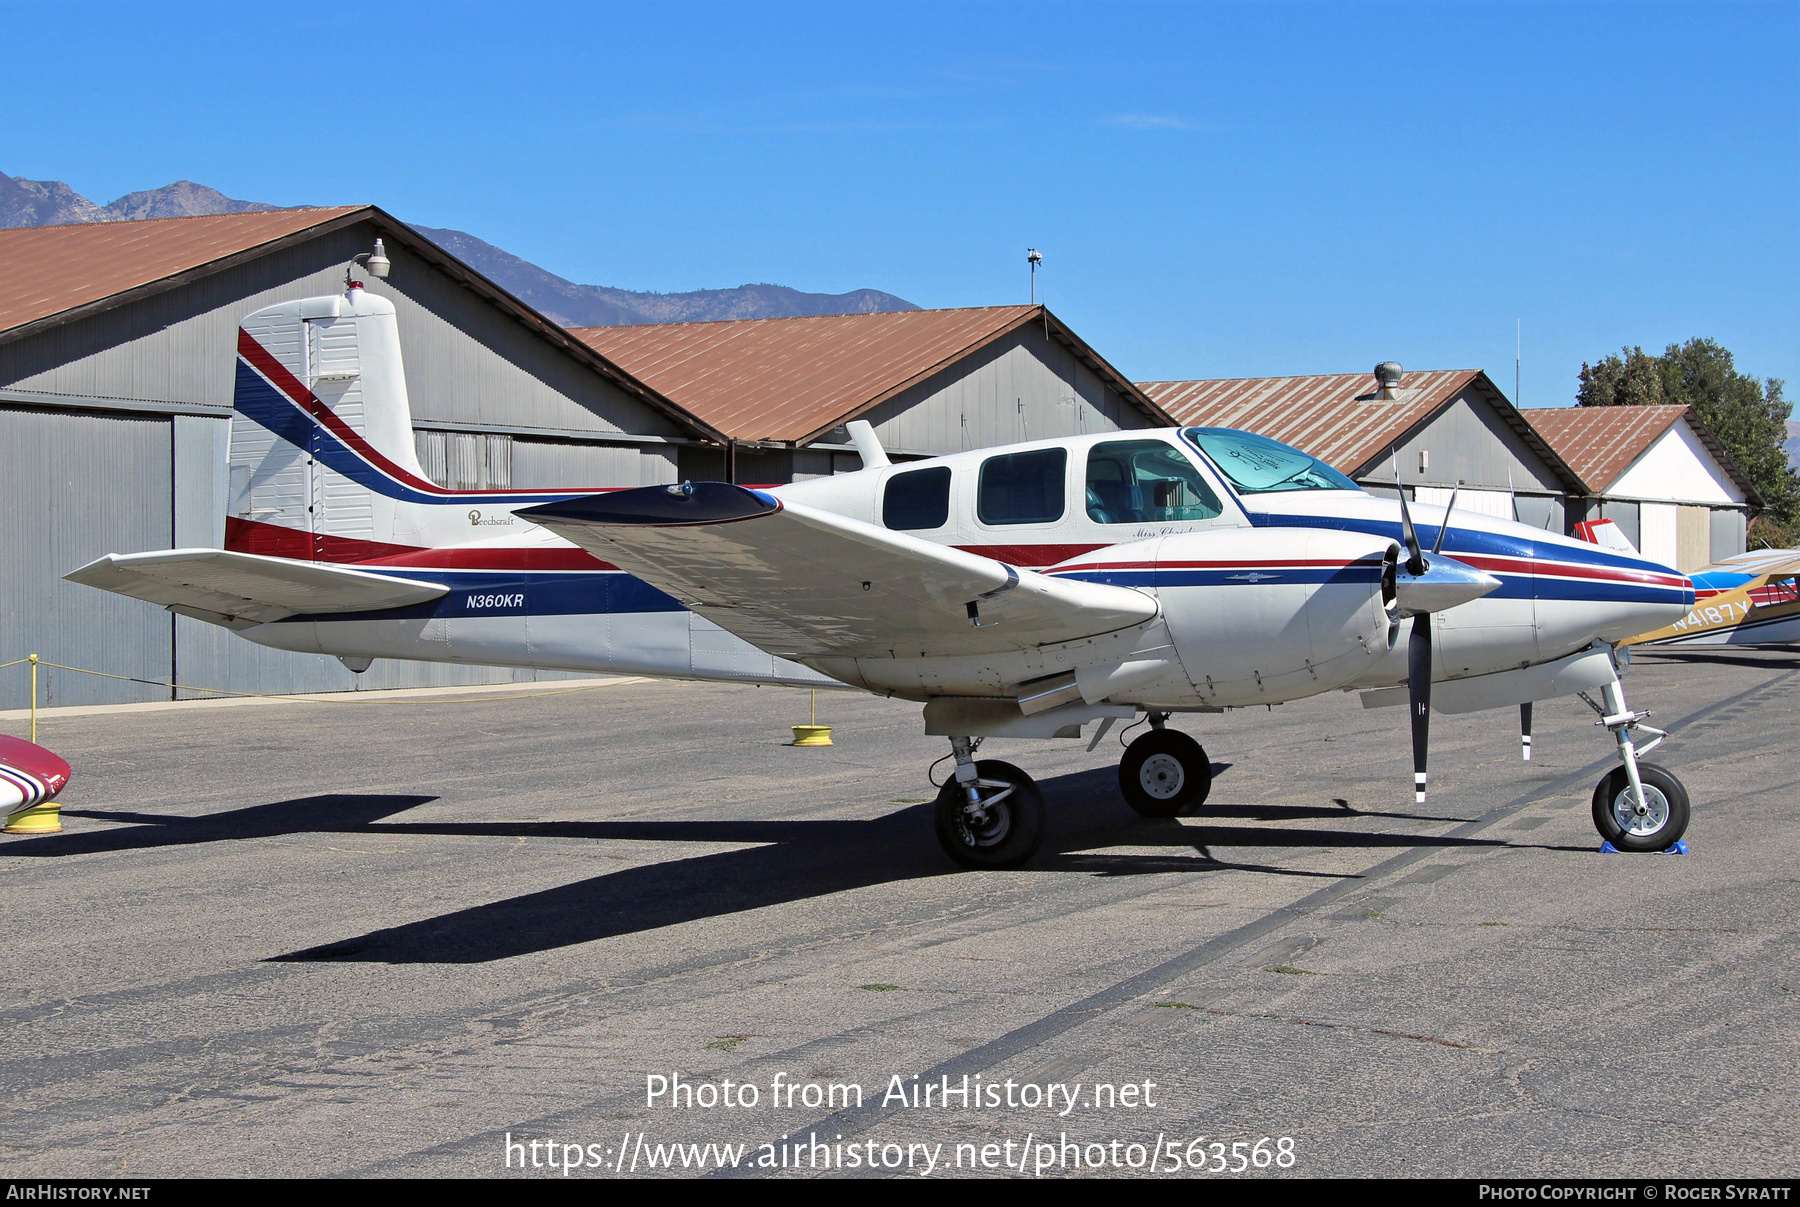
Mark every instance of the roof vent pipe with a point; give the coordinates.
(1387, 379)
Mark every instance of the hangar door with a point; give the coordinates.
(75, 485)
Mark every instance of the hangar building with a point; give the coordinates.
(117, 361)
(930, 381)
(1452, 428)
(1657, 473)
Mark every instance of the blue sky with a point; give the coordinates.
(1217, 189)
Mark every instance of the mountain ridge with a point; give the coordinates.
(51, 203)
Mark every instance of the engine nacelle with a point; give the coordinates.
(1259, 616)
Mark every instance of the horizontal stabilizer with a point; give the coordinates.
(248, 588)
(800, 582)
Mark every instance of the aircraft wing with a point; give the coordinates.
(241, 589)
(1776, 563)
(797, 581)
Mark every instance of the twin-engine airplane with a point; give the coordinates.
(1022, 591)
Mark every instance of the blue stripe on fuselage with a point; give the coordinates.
(1498, 544)
(1462, 540)
(519, 593)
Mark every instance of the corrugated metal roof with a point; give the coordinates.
(1334, 416)
(1601, 443)
(47, 270)
(793, 379)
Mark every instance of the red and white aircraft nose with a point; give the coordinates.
(29, 776)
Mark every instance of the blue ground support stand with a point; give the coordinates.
(1680, 848)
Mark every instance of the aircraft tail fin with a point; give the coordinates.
(1607, 535)
(323, 465)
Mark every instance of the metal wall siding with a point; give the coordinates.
(74, 487)
(1470, 445)
(1540, 511)
(548, 464)
(201, 491)
(1693, 538)
(1625, 515)
(1022, 387)
(1729, 533)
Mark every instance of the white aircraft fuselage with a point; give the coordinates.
(1276, 596)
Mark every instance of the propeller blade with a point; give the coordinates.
(1525, 730)
(1443, 528)
(1418, 689)
(1415, 555)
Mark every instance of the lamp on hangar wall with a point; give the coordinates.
(379, 264)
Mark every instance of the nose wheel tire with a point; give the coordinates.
(1164, 773)
(1008, 828)
(1652, 824)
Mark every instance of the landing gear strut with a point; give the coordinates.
(1164, 772)
(1637, 806)
(989, 814)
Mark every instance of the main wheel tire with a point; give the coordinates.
(1163, 773)
(1014, 827)
(1664, 819)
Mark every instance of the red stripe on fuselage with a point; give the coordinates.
(1523, 565)
(1254, 564)
(272, 540)
(1030, 555)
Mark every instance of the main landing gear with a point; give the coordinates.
(1637, 806)
(990, 814)
(1164, 772)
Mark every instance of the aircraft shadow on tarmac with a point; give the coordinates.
(794, 860)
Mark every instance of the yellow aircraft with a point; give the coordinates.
(1750, 599)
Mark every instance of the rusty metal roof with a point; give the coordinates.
(791, 380)
(1601, 443)
(51, 275)
(1338, 417)
(51, 270)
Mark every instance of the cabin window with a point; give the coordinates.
(1022, 488)
(917, 499)
(1145, 482)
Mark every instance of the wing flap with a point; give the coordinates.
(800, 582)
(248, 586)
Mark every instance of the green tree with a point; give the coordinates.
(1632, 378)
(1747, 415)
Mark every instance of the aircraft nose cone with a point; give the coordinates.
(1445, 583)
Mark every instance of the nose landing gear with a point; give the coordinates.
(1637, 806)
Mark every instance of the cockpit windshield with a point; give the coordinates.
(1258, 465)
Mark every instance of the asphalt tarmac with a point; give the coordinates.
(387, 939)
